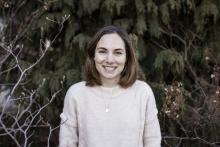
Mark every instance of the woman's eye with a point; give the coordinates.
(118, 53)
(101, 51)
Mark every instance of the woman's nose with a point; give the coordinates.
(110, 58)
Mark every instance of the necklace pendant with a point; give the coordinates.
(106, 110)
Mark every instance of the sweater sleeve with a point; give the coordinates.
(68, 136)
(152, 134)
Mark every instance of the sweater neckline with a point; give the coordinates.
(109, 92)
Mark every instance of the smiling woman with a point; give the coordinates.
(111, 108)
(108, 39)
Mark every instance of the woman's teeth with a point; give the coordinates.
(109, 68)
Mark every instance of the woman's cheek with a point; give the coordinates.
(121, 60)
(99, 58)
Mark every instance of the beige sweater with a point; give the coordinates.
(131, 120)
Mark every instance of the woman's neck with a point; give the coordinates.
(110, 82)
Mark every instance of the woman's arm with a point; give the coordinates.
(68, 135)
(68, 128)
(152, 134)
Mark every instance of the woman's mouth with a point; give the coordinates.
(109, 69)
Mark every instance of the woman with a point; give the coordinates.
(111, 108)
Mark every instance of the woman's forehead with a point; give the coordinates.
(111, 41)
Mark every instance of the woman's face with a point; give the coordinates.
(110, 57)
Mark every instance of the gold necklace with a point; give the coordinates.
(107, 100)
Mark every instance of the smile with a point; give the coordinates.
(109, 68)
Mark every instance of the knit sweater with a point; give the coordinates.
(109, 117)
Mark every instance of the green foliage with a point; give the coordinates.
(89, 6)
(154, 28)
(81, 39)
(165, 15)
(111, 5)
(151, 7)
(206, 9)
(140, 6)
(70, 3)
(72, 28)
(175, 4)
(141, 24)
(124, 23)
(169, 61)
(141, 53)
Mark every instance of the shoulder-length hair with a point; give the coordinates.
(130, 71)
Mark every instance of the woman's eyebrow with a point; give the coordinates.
(117, 49)
(101, 48)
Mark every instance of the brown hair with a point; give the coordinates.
(130, 71)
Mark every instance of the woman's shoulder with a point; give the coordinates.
(77, 87)
(142, 85)
(144, 88)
